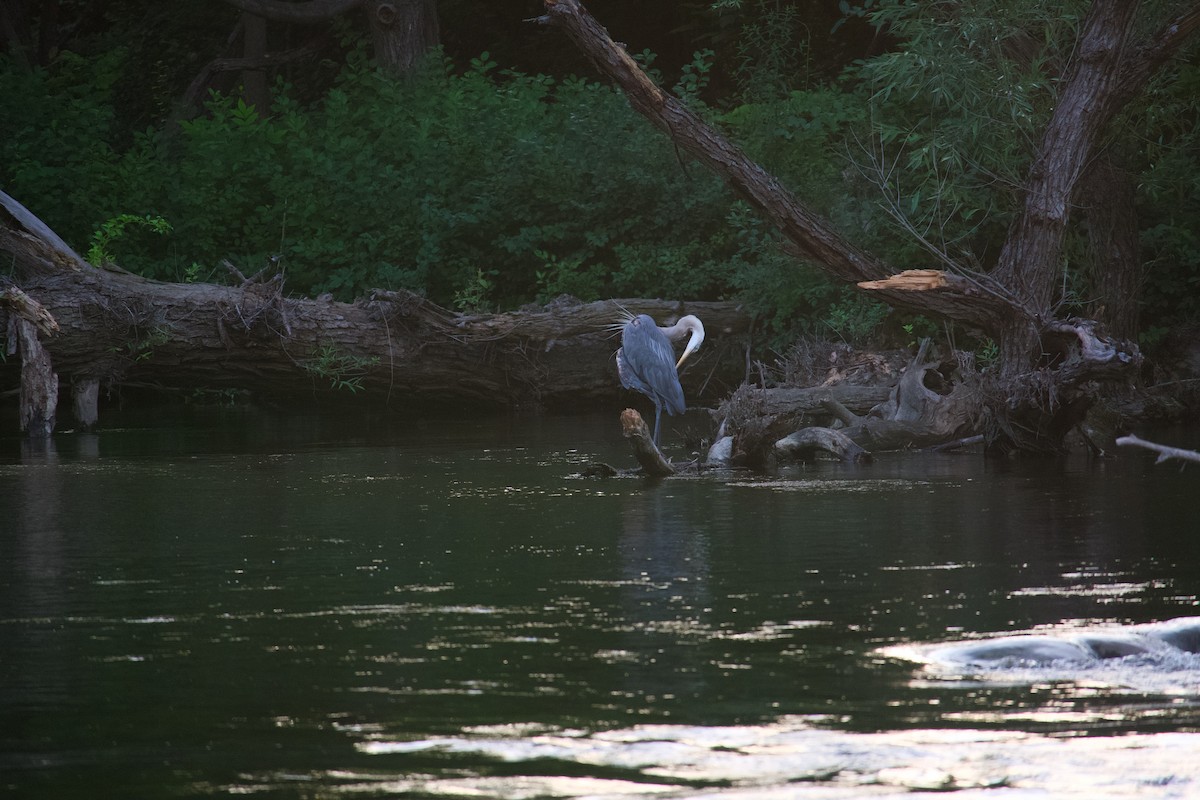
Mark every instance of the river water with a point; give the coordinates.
(211, 602)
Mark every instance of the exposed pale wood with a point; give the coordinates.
(86, 396)
(33, 245)
(911, 280)
(809, 440)
(29, 309)
(1165, 453)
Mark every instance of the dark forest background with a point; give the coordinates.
(500, 170)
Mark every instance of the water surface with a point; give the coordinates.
(215, 602)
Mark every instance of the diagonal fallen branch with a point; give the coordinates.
(1165, 453)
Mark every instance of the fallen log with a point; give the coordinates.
(393, 347)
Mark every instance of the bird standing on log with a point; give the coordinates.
(646, 361)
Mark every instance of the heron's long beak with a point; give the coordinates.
(694, 341)
(692, 344)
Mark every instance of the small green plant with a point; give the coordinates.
(855, 319)
(342, 370)
(694, 77)
(140, 348)
(474, 295)
(987, 354)
(114, 228)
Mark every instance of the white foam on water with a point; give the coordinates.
(1156, 658)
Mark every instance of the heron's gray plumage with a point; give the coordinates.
(646, 363)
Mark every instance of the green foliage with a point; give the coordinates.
(437, 184)
(956, 112)
(100, 252)
(849, 11)
(559, 276)
(854, 318)
(1169, 200)
(55, 155)
(987, 355)
(770, 49)
(694, 78)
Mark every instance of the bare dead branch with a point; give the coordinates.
(650, 457)
(1165, 453)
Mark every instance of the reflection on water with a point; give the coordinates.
(231, 603)
(792, 758)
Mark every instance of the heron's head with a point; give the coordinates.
(693, 326)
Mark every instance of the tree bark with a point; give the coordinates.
(1115, 269)
(39, 382)
(402, 32)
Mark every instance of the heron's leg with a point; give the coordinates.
(657, 419)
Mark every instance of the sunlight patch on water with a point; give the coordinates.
(1102, 592)
(770, 630)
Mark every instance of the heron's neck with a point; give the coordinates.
(685, 325)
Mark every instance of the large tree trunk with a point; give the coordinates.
(402, 32)
(1115, 269)
(1029, 265)
(1048, 365)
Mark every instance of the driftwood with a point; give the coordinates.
(1165, 453)
(844, 421)
(809, 440)
(394, 347)
(650, 457)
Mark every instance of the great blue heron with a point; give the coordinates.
(646, 362)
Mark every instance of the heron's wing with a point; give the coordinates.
(629, 378)
(646, 363)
